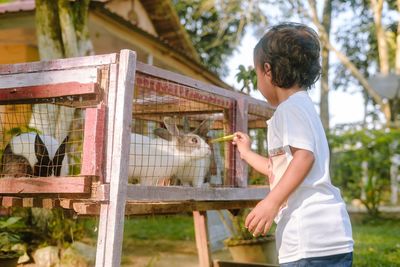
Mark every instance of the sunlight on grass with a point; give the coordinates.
(173, 227)
(377, 242)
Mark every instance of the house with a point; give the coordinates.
(149, 27)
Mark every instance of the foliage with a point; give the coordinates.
(10, 236)
(217, 26)
(350, 151)
(235, 223)
(248, 77)
(50, 227)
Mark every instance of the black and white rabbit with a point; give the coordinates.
(31, 154)
(155, 159)
(194, 171)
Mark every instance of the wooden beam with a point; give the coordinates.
(88, 207)
(241, 123)
(219, 263)
(93, 142)
(83, 75)
(176, 89)
(183, 193)
(45, 185)
(36, 92)
(204, 87)
(201, 233)
(111, 228)
(59, 64)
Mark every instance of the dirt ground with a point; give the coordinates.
(164, 253)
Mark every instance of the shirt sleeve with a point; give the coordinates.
(295, 128)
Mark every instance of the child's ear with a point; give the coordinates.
(267, 69)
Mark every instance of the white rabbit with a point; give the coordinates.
(31, 154)
(155, 159)
(195, 170)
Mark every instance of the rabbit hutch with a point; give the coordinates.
(109, 136)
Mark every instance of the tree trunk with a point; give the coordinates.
(383, 52)
(62, 32)
(324, 99)
(384, 107)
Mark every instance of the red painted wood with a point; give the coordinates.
(93, 142)
(176, 89)
(45, 185)
(47, 91)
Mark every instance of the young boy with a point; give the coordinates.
(313, 226)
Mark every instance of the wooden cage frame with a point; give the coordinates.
(104, 85)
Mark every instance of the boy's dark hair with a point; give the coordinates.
(293, 52)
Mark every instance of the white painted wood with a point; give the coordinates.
(83, 75)
(179, 193)
(201, 234)
(111, 103)
(120, 154)
(102, 235)
(59, 64)
(241, 124)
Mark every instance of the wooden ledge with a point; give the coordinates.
(80, 185)
(141, 193)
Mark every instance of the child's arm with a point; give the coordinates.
(258, 162)
(261, 217)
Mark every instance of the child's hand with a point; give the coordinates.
(243, 142)
(260, 219)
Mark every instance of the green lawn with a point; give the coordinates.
(377, 241)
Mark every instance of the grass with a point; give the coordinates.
(377, 241)
(176, 227)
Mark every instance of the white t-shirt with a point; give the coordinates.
(314, 222)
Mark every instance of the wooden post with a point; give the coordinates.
(93, 142)
(241, 174)
(201, 233)
(229, 128)
(112, 215)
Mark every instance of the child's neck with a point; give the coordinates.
(284, 94)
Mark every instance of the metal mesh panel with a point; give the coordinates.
(171, 129)
(40, 140)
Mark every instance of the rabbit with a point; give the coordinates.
(31, 154)
(155, 159)
(195, 171)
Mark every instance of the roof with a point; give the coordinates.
(162, 14)
(166, 21)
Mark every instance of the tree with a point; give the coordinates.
(61, 29)
(216, 27)
(61, 32)
(376, 36)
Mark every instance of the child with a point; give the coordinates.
(313, 227)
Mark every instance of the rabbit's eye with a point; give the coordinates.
(194, 140)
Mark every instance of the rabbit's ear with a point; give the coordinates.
(59, 157)
(203, 128)
(186, 125)
(171, 126)
(41, 152)
(42, 167)
(163, 133)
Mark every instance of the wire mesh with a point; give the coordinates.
(40, 140)
(171, 129)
